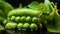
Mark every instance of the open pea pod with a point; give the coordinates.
(54, 25)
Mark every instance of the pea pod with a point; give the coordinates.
(23, 12)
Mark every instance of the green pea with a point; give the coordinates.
(23, 19)
(17, 19)
(33, 26)
(35, 19)
(28, 19)
(26, 25)
(20, 25)
(13, 18)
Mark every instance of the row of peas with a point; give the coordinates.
(24, 19)
(21, 26)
